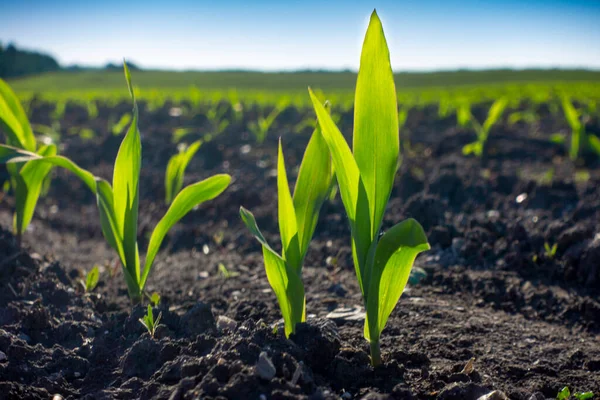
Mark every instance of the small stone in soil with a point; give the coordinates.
(495, 395)
(265, 368)
(226, 323)
(3, 357)
(537, 396)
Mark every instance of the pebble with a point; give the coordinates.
(537, 396)
(226, 323)
(57, 397)
(3, 356)
(265, 368)
(495, 395)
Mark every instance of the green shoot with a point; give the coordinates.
(176, 169)
(120, 126)
(26, 178)
(564, 394)
(478, 147)
(261, 127)
(550, 251)
(584, 395)
(155, 299)
(149, 323)
(580, 140)
(298, 217)
(118, 204)
(91, 279)
(225, 273)
(365, 181)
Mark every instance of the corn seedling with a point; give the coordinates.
(261, 127)
(91, 279)
(149, 322)
(118, 204)
(477, 148)
(298, 217)
(155, 299)
(176, 169)
(120, 126)
(365, 180)
(26, 178)
(217, 117)
(550, 251)
(565, 394)
(580, 140)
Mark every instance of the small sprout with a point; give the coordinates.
(584, 395)
(494, 114)
(91, 279)
(550, 251)
(225, 273)
(148, 321)
(564, 394)
(155, 299)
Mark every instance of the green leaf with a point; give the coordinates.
(126, 189)
(312, 187)
(347, 172)
(10, 154)
(14, 119)
(564, 394)
(185, 201)
(284, 280)
(92, 278)
(287, 216)
(584, 395)
(394, 258)
(176, 170)
(376, 136)
(594, 143)
(29, 185)
(494, 114)
(352, 190)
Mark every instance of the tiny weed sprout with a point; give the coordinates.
(580, 139)
(478, 147)
(91, 279)
(155, 299)
(118, 206)
(550, 251)
(176, 169)
(365, 179)
(565, 394)
(298, 217)
(148, 321)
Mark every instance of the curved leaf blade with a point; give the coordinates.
(394, 258)
(288, 228)
(14, 119)
(376, 137)
(312, 187)
(186, 200)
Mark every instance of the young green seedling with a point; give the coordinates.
(580, 140)
(260, 128)
(176, 169)
(298, 217)
(478, 147)
(148, 321)
(91, 279)
(118, 204)
(365, 180)
(26, 178)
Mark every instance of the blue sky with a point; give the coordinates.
(276, 35)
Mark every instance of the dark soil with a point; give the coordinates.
(530, 320)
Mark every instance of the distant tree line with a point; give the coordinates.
(15, 62)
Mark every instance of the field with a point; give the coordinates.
(511, 281)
